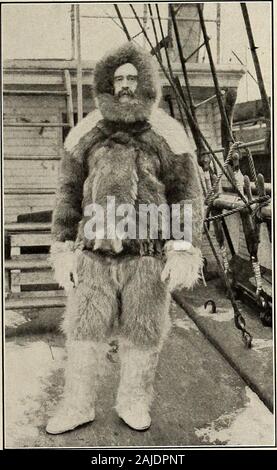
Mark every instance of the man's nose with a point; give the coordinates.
(125, 82)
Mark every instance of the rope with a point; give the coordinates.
(263, 200)
(252, 166)
(224, 258)
(258, 276)
(238, 318)
(212, 194)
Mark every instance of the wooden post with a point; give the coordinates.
(266, 107)
(69, 100)
(73, 44)
(7, 283)
(15, 281)
(182, 60)
(214, 75)
(79, 64)
(15, 251)
(218, 21)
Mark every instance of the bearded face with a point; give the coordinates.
(125, 83)
(126, 87)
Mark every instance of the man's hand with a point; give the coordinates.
(64, 263)
(182, 268)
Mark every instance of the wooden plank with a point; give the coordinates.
(34, 124)
(26, 264)
(79, 63)
(35, 302)
(37, 277)
(43, 174)
(12, 214)
(29, 201)
(31, 188)
(16, 211)
(15, 251)
(34, 92)
(26, 227)
(40, 294)
(69, 100)
(31, 113)
(15, 281)
(35, 140)
(28, 142)
(265, 248)
(44, 65)
(21, 115)
(39, 175)
(45, 184)
(7, 283)
(28, 256)
(23, 133)
(33, 101)
(33, 157)
(22, 190)
(40, 167)
(31, 239)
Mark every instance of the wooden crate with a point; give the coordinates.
(29, 239)
(31, 271)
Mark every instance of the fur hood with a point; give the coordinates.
(147, 90)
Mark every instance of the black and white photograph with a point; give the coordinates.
(138, 227)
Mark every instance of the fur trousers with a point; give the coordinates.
(123, 296)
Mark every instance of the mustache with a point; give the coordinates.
(126, 92)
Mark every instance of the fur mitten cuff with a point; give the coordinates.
(182, 268)
(63, 261)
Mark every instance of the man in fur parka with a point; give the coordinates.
(131, 150)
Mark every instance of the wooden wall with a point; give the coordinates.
(32, 155)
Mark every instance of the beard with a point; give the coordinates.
(115, 108)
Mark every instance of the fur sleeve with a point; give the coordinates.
(179, 168)
(68, 207)
(182, 182)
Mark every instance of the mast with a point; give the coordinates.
(253, 48)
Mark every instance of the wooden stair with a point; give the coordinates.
(29, 280)
(30, 302)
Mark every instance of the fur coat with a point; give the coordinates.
(138, 154)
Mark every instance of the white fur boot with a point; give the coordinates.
(81, 379)
(135, 391)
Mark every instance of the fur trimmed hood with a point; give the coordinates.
(147, 92)
(164, 125)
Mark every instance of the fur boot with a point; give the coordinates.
(81, 378)
(135, 392)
